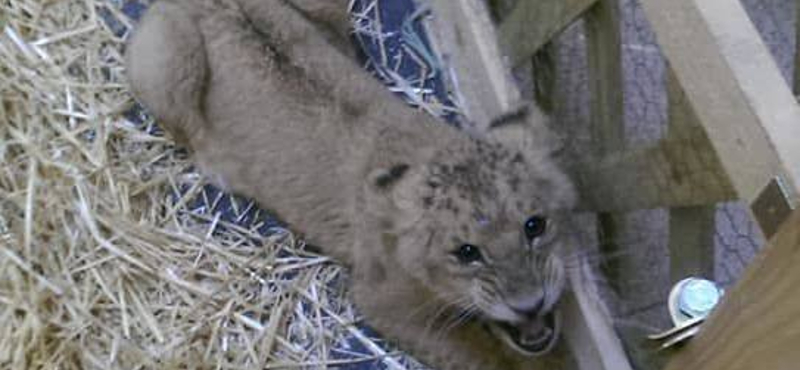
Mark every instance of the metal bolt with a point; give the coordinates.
(697, 297)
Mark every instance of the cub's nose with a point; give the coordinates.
(526, 306)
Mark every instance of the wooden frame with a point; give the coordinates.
(735, 88)
(466, 41)
(531, 24)
(734, 130)
(746, 109)
(583, 305)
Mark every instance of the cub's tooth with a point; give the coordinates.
(531, 341)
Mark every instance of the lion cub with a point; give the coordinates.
(452, 240)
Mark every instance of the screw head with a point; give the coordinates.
(697, 297)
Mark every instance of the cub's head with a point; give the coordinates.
(481, 226)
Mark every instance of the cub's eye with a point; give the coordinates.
(468, 253)
(535, 227)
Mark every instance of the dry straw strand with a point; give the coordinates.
(105, 263)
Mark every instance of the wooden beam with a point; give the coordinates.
(756, 325)
(633, 179)
(691, 229)
(464, 36)
(533, 23)
(681, 170)
(604, 52)
(676, 173)
(739, 96)
(590, 333)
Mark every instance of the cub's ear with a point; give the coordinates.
(396, 189)
(386, 178)
(525, 128)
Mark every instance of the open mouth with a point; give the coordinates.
(532, 338)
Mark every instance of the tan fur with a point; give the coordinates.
(266, 96)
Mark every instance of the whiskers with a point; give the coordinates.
(602, 249)
(554, 282)
(440, 314)
(454, 319)
(601, 263)
(451, 312)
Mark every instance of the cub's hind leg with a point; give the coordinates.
(167, 69)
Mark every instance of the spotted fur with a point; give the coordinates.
(266, 96)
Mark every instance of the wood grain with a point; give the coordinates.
(682, 170)
(677, 173)
(607, 118)
(734, 87)
(464, 36)
(590, 334)
(604, 44)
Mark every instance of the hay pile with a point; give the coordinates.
(111, 252)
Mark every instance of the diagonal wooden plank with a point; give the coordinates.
(532, 23)
(464, 37)
(739, 96)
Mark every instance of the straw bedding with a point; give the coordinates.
(112, 254)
